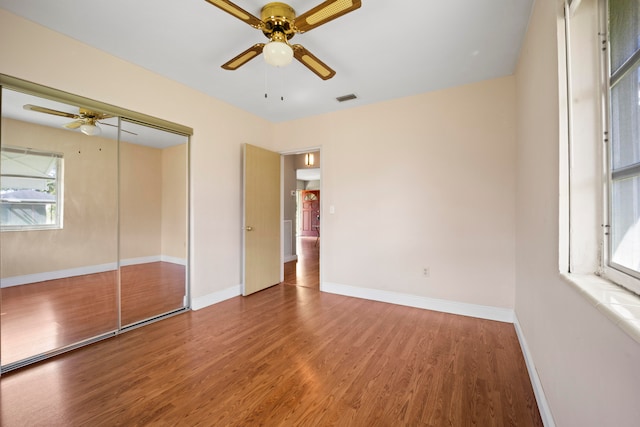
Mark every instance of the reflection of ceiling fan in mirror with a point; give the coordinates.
(279, 23)
(86, 120)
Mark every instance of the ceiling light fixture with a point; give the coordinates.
(278, 52)
(308, 159)
(90, 129)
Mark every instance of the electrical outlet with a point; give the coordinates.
(426, 272)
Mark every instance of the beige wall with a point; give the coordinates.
(174, 201)
(153, 197)
(34, 53)
(289, 185)
(140, 201)
(587, 365)
(424, 181)
(289, 201)
(90, 228)
(152, 201)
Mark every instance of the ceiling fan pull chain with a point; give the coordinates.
(266, 89)
(281, 84)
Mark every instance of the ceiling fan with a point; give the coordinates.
(86, 120)
(279, 23)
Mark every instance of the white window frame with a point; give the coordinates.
(58, 218)
(625, 277)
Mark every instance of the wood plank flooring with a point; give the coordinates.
(306, 270)
(43, 316)
(288, 355)
(151, 289)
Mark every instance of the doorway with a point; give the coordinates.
(302, 207)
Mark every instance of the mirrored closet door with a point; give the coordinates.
(94, 226)
(153, 222)
(59, 227)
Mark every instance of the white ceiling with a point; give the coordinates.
(386, 49)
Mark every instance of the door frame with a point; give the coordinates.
(283, 153)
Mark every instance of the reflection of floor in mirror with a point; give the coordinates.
(151, 289)
(306, 270)
(43, 316)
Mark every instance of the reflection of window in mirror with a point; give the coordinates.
(30, 189)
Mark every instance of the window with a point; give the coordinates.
(30, 189)
(624, 143)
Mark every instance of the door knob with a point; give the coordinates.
(248, 228)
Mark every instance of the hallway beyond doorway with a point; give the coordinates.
(305, 271)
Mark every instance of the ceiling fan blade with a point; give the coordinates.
(237, 11)
(50, 111)
(74, 125)
(244, 57)
(323, 13)
(310, 61)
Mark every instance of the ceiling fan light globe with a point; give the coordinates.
(277, 53)
(89, 129)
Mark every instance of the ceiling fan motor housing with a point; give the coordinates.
(278, 18)
(279, 23)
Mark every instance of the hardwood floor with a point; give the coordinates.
(151, 289)
(43, 316)
(40, 317)
(305, 271)
(288, 355)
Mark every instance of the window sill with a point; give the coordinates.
(619, 305)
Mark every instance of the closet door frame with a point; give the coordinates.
(19, 85)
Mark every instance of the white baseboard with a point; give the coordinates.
(173, 260)
(59, 274)
(140, 260)
(89, 269)
(153, 258)
(289, 258)
(473, 310)
(215, 297)
(538, 391)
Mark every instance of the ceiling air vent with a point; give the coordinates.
(346, 97)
